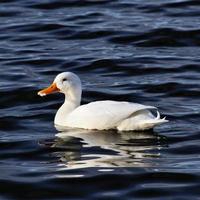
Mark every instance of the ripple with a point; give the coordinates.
(146, 52)
(61, 4)
(161, 37)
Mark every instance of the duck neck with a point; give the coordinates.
(72, 101)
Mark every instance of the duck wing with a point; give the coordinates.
(103, 114)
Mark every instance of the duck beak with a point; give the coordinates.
(51, 89)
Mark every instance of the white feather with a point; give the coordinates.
(103, 114)
(100, 115)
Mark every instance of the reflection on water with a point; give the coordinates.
(90, 148)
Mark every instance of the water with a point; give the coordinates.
(140, 51)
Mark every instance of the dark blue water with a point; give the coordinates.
(131, 50)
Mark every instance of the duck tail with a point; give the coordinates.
(151, 123)
(143, 120)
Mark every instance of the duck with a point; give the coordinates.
(99, 115)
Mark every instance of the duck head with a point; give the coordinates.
(67, 83)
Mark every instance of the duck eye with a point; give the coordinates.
(64, 79)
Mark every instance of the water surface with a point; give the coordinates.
(140, 51)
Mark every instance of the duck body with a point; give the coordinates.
(100, 115)
(105, 115)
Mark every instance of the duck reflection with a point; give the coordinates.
(91, 148)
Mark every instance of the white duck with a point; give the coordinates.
(101, 115)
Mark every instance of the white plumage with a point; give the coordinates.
(101, 115)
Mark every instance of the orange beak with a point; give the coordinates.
(51, 89)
